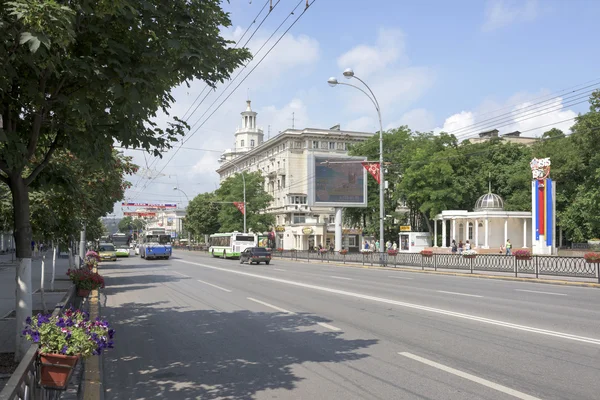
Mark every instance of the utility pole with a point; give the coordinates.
(244, 182)
(82, 245)
(186, 214)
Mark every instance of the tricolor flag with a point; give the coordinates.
(239, 205)
(374, 169)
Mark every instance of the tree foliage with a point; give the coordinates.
(203, 214)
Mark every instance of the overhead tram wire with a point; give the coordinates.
(236, 44)
(482, 125)
(249, 73)
(549, 97)
(207, 94)
(471, 134)
(244, 45)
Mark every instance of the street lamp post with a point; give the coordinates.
(348, 73)
(244, 182)
(188, 206)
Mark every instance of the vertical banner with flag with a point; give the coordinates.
(374, 169)
(239, 205)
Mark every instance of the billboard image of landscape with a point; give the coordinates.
(340, 184)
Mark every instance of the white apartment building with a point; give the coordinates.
(283, 160)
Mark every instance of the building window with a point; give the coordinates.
(283, 146)
(241, 143)
(340, 146)
(323, 145)
(283, 181)
(461, 232)
(346, 146)
(298, 144)
(251, 142)
(315, 144)
(470, 231)
(299, 219)
(332, 219)
(331, 145)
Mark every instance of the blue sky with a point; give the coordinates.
(432, 64)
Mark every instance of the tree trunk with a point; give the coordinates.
(23, 236)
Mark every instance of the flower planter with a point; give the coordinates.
(593, 261)
(56, 370)
(427, 255)
(470, 256)
(83, 292)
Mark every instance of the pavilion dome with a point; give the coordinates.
(489, 202)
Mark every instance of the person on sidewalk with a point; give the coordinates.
(508, 247)
(454, 247)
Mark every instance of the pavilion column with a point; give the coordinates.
(476, 230)
(453, 229)
(505, 230)
(435, 244)
(444, 233)
(524, 232)
(487, 233)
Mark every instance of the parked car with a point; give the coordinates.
(107, 252)
(255, 255)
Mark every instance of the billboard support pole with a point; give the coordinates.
(338, 228)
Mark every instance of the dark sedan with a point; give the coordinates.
(255, 255)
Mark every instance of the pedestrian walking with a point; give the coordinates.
(508, 247)
(453, 247)
(460, 247)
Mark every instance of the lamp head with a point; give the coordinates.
(348, 73)
(175, 188)
(332, 81)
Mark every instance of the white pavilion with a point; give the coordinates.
(487, 226)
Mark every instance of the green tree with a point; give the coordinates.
(94, 230)
(203, 214)
(257, 201)
(126, 224)
(85, 74)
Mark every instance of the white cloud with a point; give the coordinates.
(280, 119)
(384, 66)
(419, 119)
(365, 59)
(501, 13)
(529, 115)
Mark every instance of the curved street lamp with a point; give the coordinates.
(349, 74)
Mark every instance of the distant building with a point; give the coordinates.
(283, 162)
(512, 137)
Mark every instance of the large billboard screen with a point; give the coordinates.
(337, 181)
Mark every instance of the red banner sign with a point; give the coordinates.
(239, 205)
(139, 214)
(374, 169)
(150, 205)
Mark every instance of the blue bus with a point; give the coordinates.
(155, 243)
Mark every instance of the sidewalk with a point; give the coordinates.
(7, 293)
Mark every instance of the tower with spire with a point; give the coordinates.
(247, 136)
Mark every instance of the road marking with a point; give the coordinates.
(179, 273)
(340, 277)
(279, 269)
(330, 327)
(535, 291)
(272, 306)
(489, 321)
(215, 286)
(399, 277)
(472, 378)
(458, 294)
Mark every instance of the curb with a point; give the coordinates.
(93, 383)
(478, 276)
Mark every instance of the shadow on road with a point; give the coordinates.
(174, 353)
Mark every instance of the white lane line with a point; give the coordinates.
(458, 294)
(179, 273)
(215, 286)
(535, 291)
(330, 327)
(283, 310)
(279, 269)
(440, 311)
(340, 277)
(472, 378)
(399, 277)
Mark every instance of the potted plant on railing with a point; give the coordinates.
(343, 252)
(522, 254)
(85, 281)
(323, 251)
(469, 253)
(91, 260)
(392, 252)
(280, 249)
(427, 253)
(63, 340)
(592, 257)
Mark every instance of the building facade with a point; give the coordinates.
(283, 161)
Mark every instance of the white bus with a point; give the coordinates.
(230, 245)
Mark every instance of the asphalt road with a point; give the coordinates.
(195, 327)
